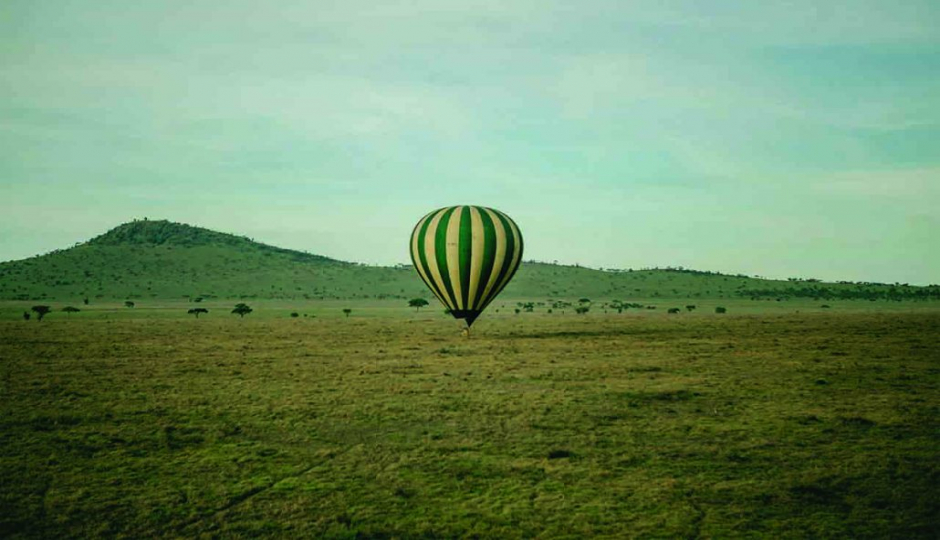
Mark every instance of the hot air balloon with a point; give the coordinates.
(466, 255)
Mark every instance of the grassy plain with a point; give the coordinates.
(147, 422)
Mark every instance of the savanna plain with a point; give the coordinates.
(118, 422)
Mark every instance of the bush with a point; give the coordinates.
(242, 309)
(720, 309)
(295, 314)
(41, 311)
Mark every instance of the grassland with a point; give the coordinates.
(763, 422)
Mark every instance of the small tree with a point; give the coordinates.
(347, 311)
(294, 314)
(129, 304)
(690, 308)
(25, 315)
(674, 310)
(241, 310)
(70, 309)
(41, 311)
(720, 309)
(197, 311)
(85, 300)
(417, 303)
(581, 310)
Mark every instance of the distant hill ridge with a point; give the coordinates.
(163, 259)
(164, 232)
(160, 232)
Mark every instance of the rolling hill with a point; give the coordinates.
(161, 259)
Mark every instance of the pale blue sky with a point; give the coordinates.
(782, 139)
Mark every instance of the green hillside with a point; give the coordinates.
(160, 259)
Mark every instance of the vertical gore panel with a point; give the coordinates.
(465, 254)
(478, 240)
(489, 257)
(513, 254)
(440, 248)
(419, 256)
(499, 255)
(453, 255)
(430, 255)
(510, 254)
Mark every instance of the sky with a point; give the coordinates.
(780, 139)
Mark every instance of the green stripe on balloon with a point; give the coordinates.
(465, 253)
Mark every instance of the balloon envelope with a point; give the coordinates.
(466, 255)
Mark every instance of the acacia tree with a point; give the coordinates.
(197, 311)
(347, 311)
(241, 310)
(70, 309)
(41, 311)
(417, 303)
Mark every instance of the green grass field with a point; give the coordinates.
(778, 419)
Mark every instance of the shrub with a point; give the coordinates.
(241, 310)
(417, 303)
(41, 311)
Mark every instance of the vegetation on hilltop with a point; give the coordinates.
(163, 232)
